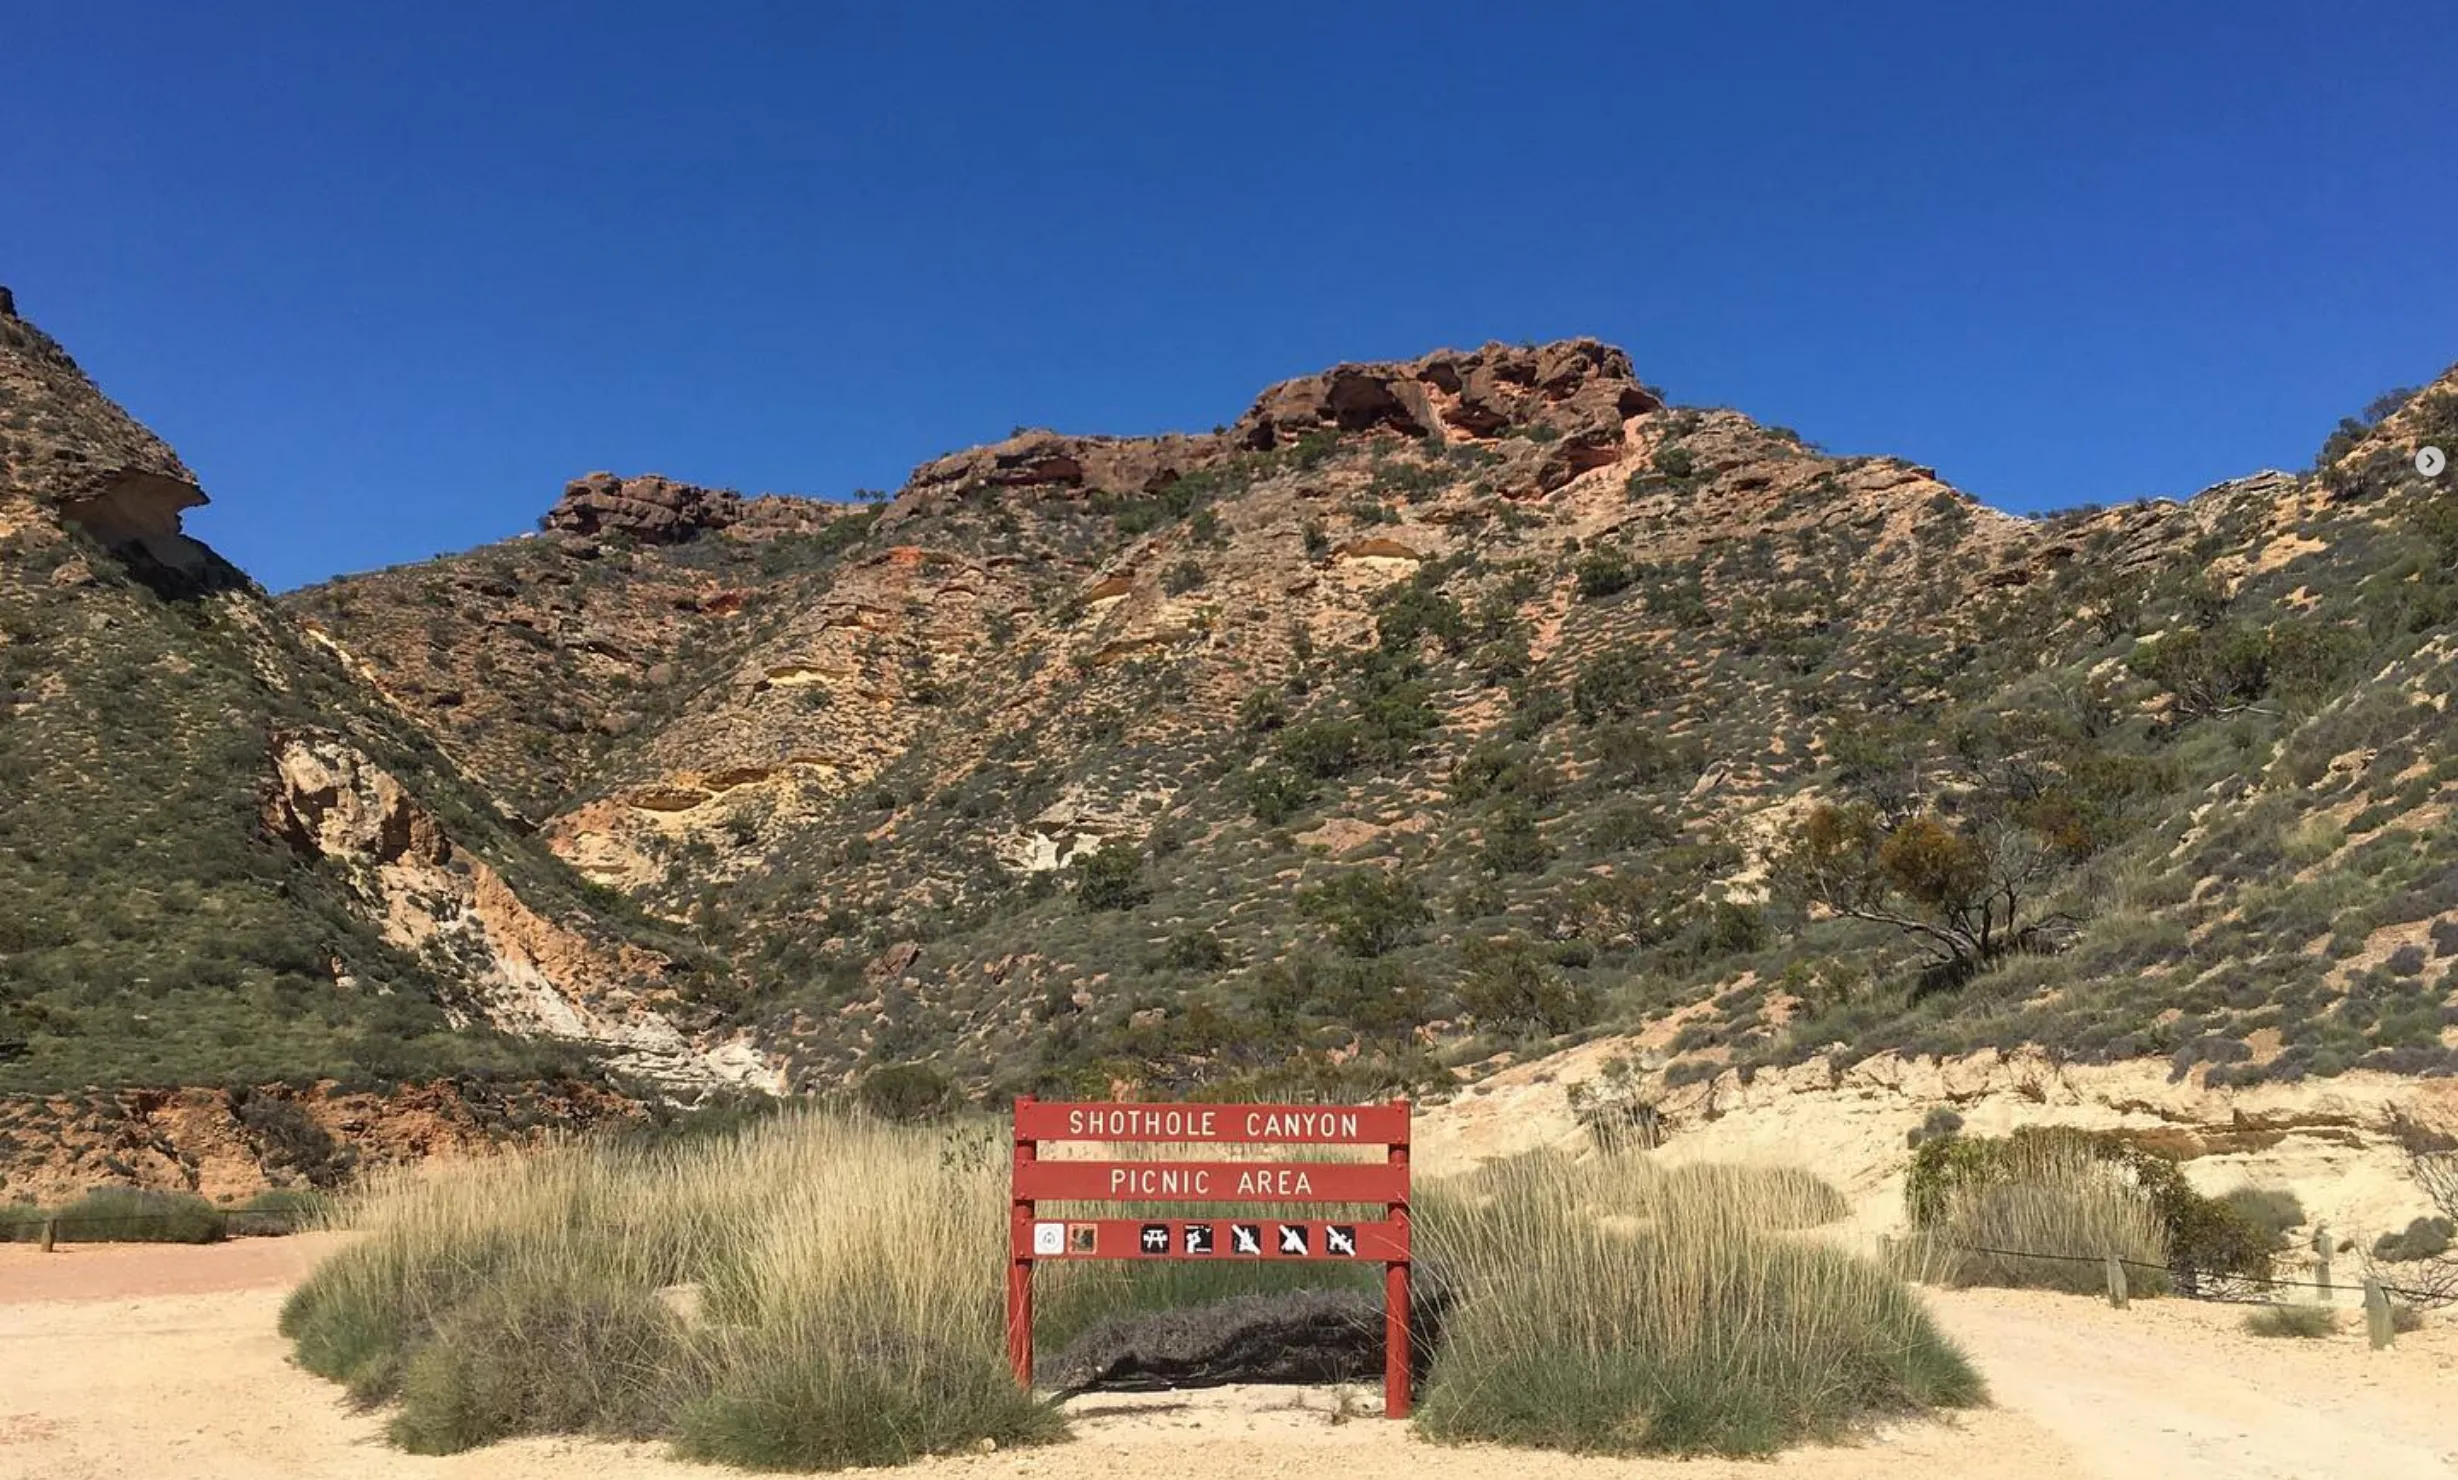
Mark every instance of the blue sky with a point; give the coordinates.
(387, 282)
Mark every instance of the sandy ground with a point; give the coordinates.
(164, 1361)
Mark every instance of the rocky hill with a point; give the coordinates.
(1432, 709)
(1429, 715)
(227, 860)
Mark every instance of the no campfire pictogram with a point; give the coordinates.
(1293, 1239)
(1245, 1238)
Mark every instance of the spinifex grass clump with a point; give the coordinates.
(844, 1307)
(1606, 1307)
(2303, 1322)
(2047, 1219)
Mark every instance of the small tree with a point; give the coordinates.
(1967, 896)
(1513, 843)
(1618, 685)
(1275, 794)
(1369, 911)
(2210, 671)
(1110, 877)
(1511, 988)
(1604, 571)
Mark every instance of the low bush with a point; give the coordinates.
(20, 1223)
(284, 1210)
(1683, 1320)
(907, 1092)
(1938, 1124)
(2273, 1209)
(125, 1215)
(2423, 1238)
(2305, 1322)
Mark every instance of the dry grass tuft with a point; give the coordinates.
(1610, 1307)
(848, 1313)
(2304, 1322)
(2059, 1203)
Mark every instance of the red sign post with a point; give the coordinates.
(1385, 1242)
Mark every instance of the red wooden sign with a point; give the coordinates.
(1221, 1237)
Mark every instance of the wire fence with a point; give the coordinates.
(197, 1226)
(2215, 1284)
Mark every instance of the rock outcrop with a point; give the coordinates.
(648, 507)
(1574, 395)
(1579, 389)
(226, 1144)
(73, 450)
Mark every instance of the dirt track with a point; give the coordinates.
(164, 1361)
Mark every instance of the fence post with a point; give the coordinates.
(1397, 1290)
(1020, 1256)
(51, 1231)
(2116, 1282)
(2377, 1323)
(2321, 1253)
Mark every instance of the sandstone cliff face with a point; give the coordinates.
(2342, 1146)
(512, 968)
(227, 1145)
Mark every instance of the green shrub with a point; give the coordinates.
(1263, 709)
(2304, 1322)
(1618, 685)
(20, 1223)
(1275, 794)
(1323, 748)
(125, 1215)
(1509, 987)
(2274, 1209)
(540, 1358)
(1110, 877)
(907, 1093)
(882, 1402)
(285, 1210)
(1368, 910)
(1604, 571)
(1938, 1124)
(2424, 1238)
(1512, 843)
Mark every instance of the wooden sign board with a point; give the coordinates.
(1242, 1236)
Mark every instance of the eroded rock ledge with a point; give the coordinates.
(1575, 394)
